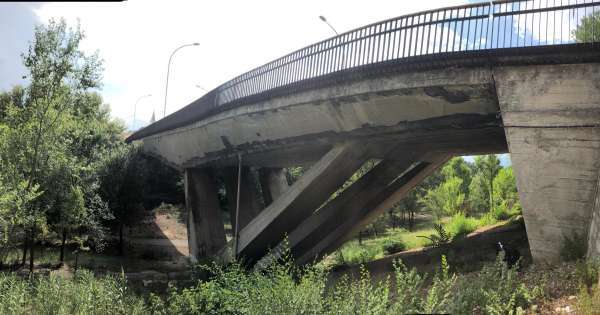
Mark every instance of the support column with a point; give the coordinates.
(273, 183)
(206, 234)
(382, 197)
(551, 116)
(250, 200)
(301, 199)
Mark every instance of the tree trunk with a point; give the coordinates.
(359, 237)
(25, 247)
(31, 247)
(62, 245)
(120, 239)
(411, 220)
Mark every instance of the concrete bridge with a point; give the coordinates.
(411, 92)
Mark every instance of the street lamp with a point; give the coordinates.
(135, 108)
(169, 70)
(200, 87)
(343, 61)
(325, 20)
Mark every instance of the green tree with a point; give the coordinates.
(410, 205)
(446, 199)
(505, 191)
(479, 198)
(458, 167)
(39, 119)
(122, 176)
(589, 29)
(485, 169)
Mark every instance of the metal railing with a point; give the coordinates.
(501, 24)
(475, 27)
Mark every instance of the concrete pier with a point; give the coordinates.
(551, 116)
(273, 183)
(206, 233)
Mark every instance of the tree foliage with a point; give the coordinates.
(122, 175)
(51, 133)
(589, 29)
(446, 199)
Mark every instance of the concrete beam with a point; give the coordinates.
(273, 183)
(206, 233)
(551, 116)
(329, 217)
(250, 200)
(385, 197)
(301, 199)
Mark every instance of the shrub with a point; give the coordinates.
(588, 301)
(496, 289)
(573, 247)
(586, 272)
(460, 225)
(354, 254)
(440, 236)
(393, 246)
(487, 219)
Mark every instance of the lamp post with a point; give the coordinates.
(169, 70)
(200, 87)
(135, 107)
(343, 61)
(325, 20)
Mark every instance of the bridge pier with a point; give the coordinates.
(250, 199)
(206, 233)
(551, 116)
(273, 183)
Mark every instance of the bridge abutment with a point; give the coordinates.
(206, 233)
(551, 116)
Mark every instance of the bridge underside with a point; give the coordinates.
(546, 116)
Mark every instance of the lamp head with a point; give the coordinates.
(322, 18)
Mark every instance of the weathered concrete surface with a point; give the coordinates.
(301, 199)
(273, 183)
(552, 121)
(315, 117)
(352, 222)
(206, 233)
(250, 199)
(316, 227)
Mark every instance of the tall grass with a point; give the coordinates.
(84, 294)
(282, 288)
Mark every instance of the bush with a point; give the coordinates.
(573, 247)
(438, 238)
(503, 212)
(354, 254)
(487, 219)
(460, 225)
(393, 246)
(587, 272)
(588, 301)
(494, 290)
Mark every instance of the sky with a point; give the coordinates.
(135, 39)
